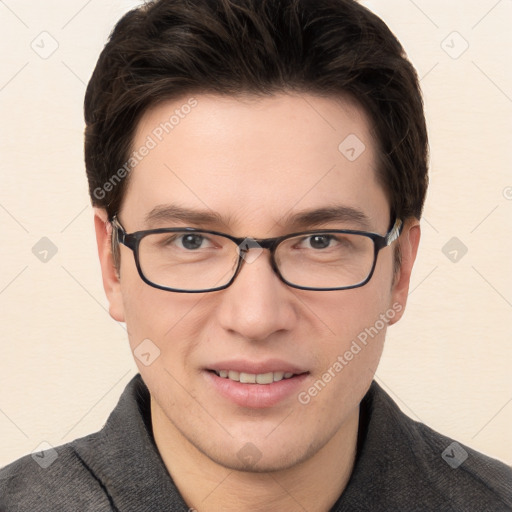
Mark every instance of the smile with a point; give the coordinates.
(253, 378)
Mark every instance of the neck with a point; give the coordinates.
(315, 484)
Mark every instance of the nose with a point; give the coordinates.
(257, 304)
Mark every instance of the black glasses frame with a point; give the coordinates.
(132, 241)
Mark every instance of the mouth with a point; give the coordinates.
(255, 378)
(256, 384)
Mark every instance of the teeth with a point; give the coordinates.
(247, 378)
(253, 378)
(264, 378)
(233, 375)
(279, 376)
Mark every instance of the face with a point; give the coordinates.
(253, 166)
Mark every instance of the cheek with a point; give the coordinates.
(347, 359)
(343, 316)
(353, 324)
(163, 323)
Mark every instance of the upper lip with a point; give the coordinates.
(267, 366)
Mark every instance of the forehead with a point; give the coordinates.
(254, 160)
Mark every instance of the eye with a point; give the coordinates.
(182, 242)
(191, 241)
(318, 241)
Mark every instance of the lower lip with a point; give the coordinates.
(256, 396)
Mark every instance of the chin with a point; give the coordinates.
(258, 463)
(262, 456)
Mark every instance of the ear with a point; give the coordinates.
(409, 241)
(111, 282)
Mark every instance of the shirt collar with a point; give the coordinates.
(124, 458)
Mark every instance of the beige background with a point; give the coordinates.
(64, 361)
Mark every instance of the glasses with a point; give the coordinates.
(193, 260)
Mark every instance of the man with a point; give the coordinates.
(258, 171)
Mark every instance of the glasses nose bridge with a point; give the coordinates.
(267, 243)
(246, 244)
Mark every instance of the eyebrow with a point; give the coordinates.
(337, 213)
(302, 219)
(173, 213)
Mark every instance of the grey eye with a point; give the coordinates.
(192, 241)
(320, 241)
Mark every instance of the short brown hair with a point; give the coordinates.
(169, 48)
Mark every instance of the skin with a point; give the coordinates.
(254, 161)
